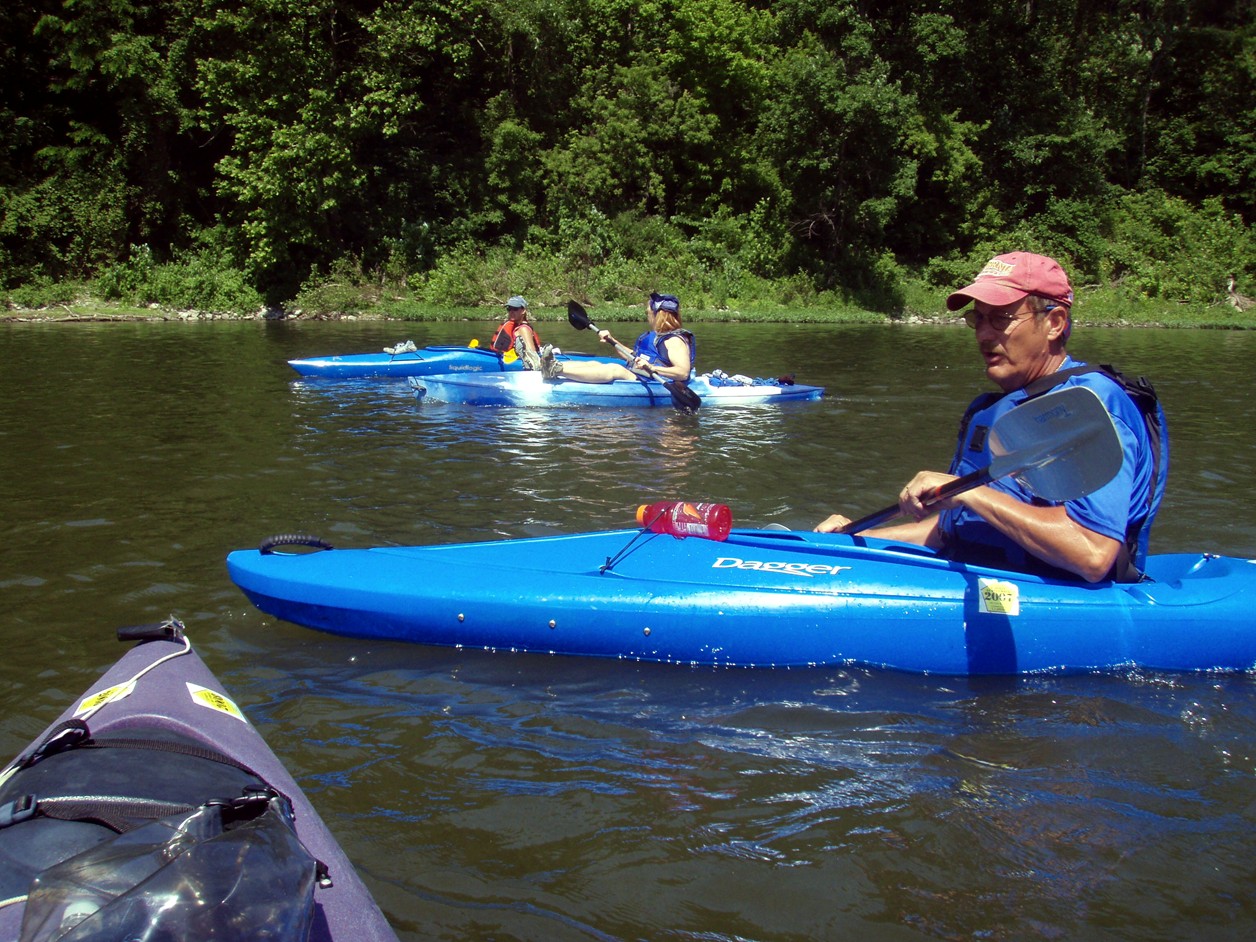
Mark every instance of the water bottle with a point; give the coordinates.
(681, 518)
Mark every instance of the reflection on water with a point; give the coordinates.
(499, 473)
(529, 797)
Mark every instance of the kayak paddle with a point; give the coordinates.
(683, 398)
(1060, 446)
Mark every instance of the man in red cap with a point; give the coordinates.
(1022, 317)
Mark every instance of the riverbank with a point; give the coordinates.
(1096, 308)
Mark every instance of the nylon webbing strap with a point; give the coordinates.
(119, 814)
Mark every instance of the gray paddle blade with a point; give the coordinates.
(1060, 446)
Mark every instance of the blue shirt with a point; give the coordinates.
(1108, 511)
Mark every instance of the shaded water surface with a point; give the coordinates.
(500, 796)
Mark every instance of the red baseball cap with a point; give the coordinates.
(1007, 279)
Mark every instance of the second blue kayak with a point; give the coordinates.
(530, 388)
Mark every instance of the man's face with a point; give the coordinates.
(1013, 341)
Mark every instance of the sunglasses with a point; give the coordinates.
(999, 322)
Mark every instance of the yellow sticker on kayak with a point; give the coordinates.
(96, 700)
(214, 700)
(998, 597)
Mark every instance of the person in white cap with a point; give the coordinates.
(517, 334)
(1022, 318)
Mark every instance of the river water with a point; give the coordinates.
(519, 797)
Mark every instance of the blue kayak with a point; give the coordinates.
(153, 809)
(421, 362)
(762, 598)
(530, 388)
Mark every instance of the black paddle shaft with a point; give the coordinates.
(958, 486)
(1060, 446)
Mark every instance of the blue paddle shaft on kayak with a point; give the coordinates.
(763, 599)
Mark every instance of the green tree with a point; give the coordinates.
(98, 161)
(835, 126)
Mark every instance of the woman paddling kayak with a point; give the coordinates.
(666, 350)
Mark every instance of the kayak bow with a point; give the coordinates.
(153, 809)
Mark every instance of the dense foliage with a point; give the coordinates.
(463, 150)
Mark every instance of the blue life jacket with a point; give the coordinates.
(650, 345)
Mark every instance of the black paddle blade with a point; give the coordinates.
(683, 398)
(577, 316)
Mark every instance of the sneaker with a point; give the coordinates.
(406, 347)
(550, 367)
(530, 360)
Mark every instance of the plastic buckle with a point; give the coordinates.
(18, 810)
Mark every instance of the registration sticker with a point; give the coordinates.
(108, 695)
(998, 597)
(214, 700)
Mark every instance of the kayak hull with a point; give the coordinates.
(180, 699)
(531, 389)
(763, 599)
(421, 362)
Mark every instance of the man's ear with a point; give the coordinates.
(1058, 323)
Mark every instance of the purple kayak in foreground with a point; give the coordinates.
(152, 809)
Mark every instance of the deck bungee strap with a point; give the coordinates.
(71, 791)
(122, 814)
(75, 734)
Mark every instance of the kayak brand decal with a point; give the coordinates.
(214, 700)
(771, 565)
(108, 695)
(998, 597)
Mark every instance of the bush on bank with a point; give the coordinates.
(1164, 263)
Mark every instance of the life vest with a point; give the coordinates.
(650, 345)
(1143, 395)
(504, 340)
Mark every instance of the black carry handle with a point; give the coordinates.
(169, 630)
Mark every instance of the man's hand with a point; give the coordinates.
(912, 498)
(833, 523)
